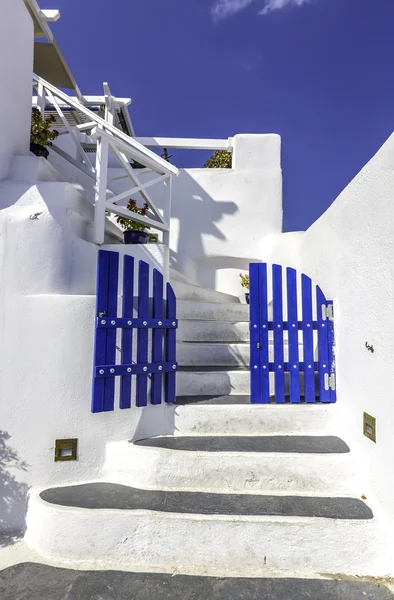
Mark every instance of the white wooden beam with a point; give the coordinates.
(124, 212)
(134, 178)
(186, 143)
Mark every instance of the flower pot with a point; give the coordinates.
(247, 298)
(39, 150)
(135, 237)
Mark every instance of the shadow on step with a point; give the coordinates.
(121, 497)
(240, 399)
(269, 443)
(42, 582)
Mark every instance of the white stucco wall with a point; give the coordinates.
(349, 251)
(222, 217)
(16, 69)
(47, 315)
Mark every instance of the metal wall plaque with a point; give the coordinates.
(370, 427)
(66, 449)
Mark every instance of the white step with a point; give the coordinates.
(199, 354)
(186, 291)
(230, 472)
(32, 169)
(177, 276)
(211, 311)
(210, 331)
(255, 419)
(203, 544)
(212, 383)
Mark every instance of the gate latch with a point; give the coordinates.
(328, 312)
(258, 345)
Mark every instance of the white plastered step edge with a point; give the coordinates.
(248, 546)
(231, 472)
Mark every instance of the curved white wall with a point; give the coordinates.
(16, 70)
(349, 251)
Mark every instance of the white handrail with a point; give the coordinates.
(165, 166)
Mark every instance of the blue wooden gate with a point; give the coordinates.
(298, 352)
(139, 347)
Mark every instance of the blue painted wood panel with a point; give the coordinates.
(307, 320)
(277, 301)
(127, 333)
(110, 351)
(264, 335)
(170, 379)
(157, 337)
(143, 334)
(323, 354)
(293, 341)
(101, 335)
(255, 351)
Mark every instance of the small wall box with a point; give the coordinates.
(66, 449)
(370, 427)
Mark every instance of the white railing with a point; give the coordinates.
(110, 139)
(105, 139)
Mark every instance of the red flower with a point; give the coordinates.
(53, 118)
(132, 203)
(143, 212)
(56, 133)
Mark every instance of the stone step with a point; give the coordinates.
(177, 276)
(187, 291)
(240, 469)
(217, 417)
(206, 382)
(200, 354)
(47, 582)
(211, 331)
(104, 526)
(211, 311)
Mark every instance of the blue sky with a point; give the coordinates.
(318, 72)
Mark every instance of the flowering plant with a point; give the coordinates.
(129, 224)
(244, 280)
(40, 132)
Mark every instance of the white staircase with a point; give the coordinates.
(213, 342)
(237, 490)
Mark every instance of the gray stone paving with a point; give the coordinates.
(115, 496)
(29, 581)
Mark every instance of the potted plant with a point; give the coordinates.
(41, 135)
(245, 284)
(134, 233)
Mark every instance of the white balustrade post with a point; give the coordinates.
(41, 100)
(101, 190)
(166, 234)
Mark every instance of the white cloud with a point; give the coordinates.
(278, 4)
(222, 9)
(226, 8)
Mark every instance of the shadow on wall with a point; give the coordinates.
(13, 495)
(198, 214)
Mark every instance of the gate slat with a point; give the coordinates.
(127, 334)
(101, 334)
(277, 288)
(143, 334)
(331, 344)
(292, 326)
(157, 336)
(264, 339)
(307, 332)
(255, 327)
(170, 381)
(110, 352)
(323, 357)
